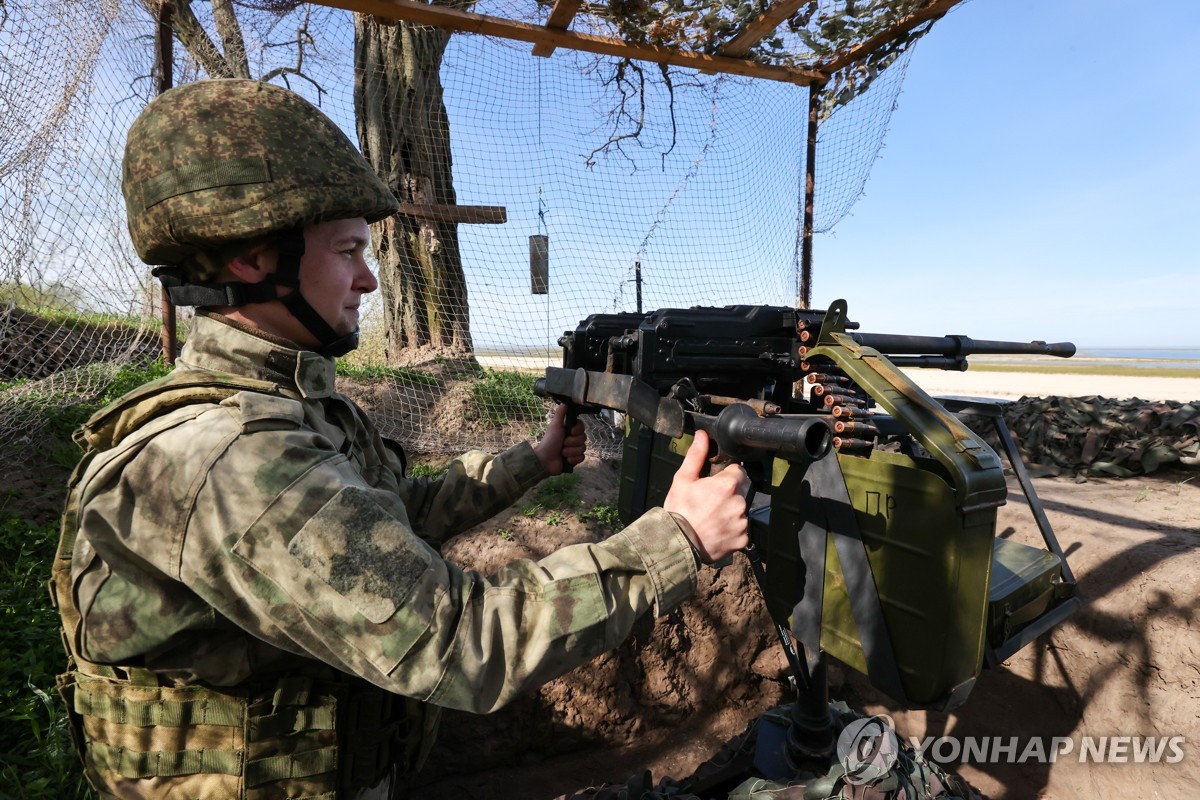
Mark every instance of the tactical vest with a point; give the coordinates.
(314, 733)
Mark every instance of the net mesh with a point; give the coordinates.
(675, 186)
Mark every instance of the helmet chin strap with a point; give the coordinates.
(234, 293)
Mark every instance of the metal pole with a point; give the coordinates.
(165, 59)
(810, 185)
(637, 279)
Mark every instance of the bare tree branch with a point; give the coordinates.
(303, 39)
(666, 73)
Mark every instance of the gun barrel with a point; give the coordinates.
(955, 345)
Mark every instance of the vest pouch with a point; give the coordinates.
(292, 739)
(144, 740)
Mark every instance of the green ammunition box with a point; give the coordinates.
(931, 566)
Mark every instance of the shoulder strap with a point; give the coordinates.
(108, 426)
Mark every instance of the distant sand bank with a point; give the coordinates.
(1014, 385)
(1007, 385)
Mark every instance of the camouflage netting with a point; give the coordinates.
(1094, 436)
(692, 181)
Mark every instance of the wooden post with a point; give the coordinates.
(165, 57)
(810, 185)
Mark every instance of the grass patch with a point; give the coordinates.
(604, 515)
(502, 397)
(422, 469)
(377, 372)
(37, 759)
(460, 368)
(558, 497)
(561, 491)
(554, 496)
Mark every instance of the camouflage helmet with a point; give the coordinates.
(221, 161)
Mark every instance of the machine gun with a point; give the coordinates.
(884, 556)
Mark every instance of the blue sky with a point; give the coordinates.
(1039, 180)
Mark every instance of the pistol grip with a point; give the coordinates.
(568, 426)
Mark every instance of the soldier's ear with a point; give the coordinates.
(254, 265)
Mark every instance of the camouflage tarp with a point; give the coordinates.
(1095, 436)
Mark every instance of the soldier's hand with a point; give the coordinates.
(715, 507)
(558, 445)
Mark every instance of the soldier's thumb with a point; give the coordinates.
(694, 460)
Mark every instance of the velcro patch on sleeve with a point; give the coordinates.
(362, 552)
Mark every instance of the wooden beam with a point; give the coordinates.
(759, 29)
(932, 10)
(560, 19)
(455, 20)
(480, 215)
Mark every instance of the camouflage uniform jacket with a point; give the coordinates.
(242, 534)
(246, 536)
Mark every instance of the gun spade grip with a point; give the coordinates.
(740, 432)
(568, 426)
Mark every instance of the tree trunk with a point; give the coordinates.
(405, 135)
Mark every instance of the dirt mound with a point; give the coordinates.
(702, 671)
(441, 408)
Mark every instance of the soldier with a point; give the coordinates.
(252, 597)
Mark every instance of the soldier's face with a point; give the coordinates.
(334, 274)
